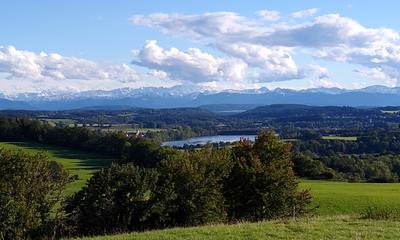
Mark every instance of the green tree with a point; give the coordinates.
(190, 188)
(115, 199)
(262, 184)
(30, 188)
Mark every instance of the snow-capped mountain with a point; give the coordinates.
(193, 96)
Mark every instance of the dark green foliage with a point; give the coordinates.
(30, 188)
(262, 184)
(306, 167)
(143, 152)
(116, 199)
(190, 188)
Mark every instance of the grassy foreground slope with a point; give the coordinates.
(315, 228)
(78, 163)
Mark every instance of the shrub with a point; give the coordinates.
(30, 188)
(116, 199)
(376, 213)
(262, 184)
(190, 188)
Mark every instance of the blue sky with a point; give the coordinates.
(95, 43)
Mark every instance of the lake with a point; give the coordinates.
(206, 139)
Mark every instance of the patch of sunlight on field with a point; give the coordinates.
(332, 198)
(339, 138)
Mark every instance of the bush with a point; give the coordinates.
(262, 184)
(30, 188)
(376, 213)
(190, 188)
(116, 199)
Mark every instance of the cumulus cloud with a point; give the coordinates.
(305, 13)
(324, 83)
(275, 63)
(268, 15)
(377, 74)
(227, 26)
(24, 64)
(270, 47)
(318, 71)
(192, 65)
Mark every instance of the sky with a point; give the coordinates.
(214, 45)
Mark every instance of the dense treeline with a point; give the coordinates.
(200, 122)
(141, 151)
(374, 141)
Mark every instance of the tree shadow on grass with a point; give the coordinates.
(81, 159)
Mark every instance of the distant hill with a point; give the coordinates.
(297, 110)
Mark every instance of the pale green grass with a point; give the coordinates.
(333, 198)
(339, 227)
(76, 162)
(339, 138)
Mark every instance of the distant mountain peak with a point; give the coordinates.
(193, 96)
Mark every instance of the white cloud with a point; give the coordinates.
(316, 70)
(305, 13)
(330, 37)
(24, 64)
(377, 74)
(268, 15)
(192, 65)
(275, 63)
(324, 83)
(227, 26)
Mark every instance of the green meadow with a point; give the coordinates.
(77, 163)
(337, 198)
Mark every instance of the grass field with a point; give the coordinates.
(333, 198)
(338, 227)
(78, 163)
(339, 138)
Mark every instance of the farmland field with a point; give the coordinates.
(333, 198)
(76, 162)
(339, 138)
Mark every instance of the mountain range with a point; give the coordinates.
(188, 96)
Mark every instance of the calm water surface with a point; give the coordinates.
(206, 139)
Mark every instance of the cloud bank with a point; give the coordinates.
(268, 47)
